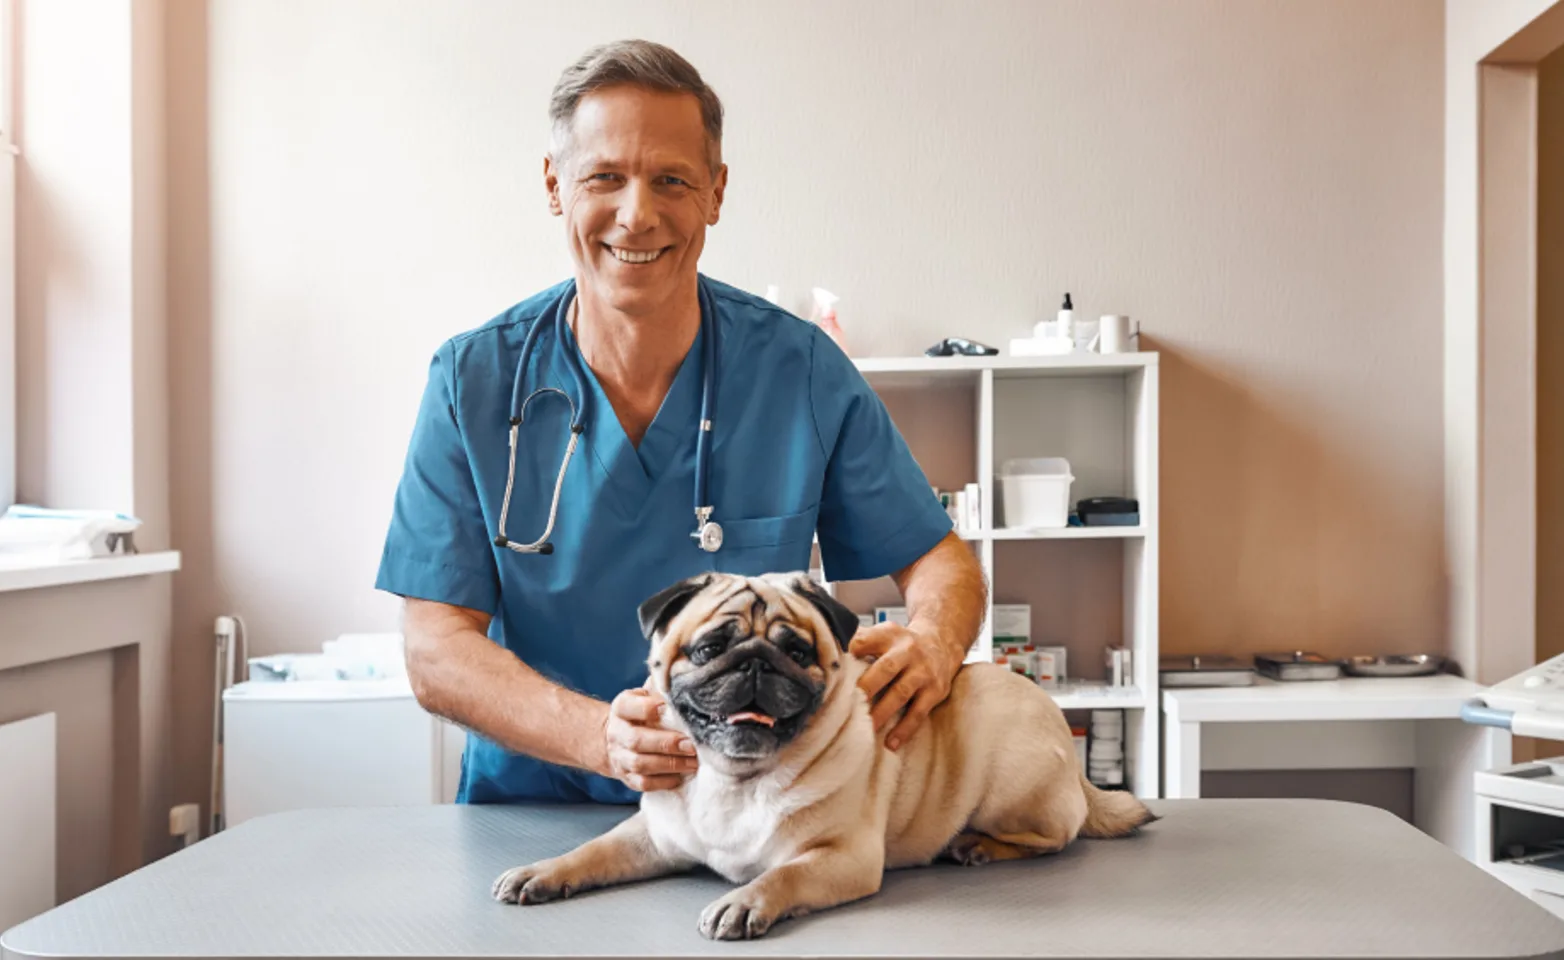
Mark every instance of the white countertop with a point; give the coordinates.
(1350, 698)
(31, 573)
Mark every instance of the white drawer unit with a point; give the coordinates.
(328, 743)
(1520, 828)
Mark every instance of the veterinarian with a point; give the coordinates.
(634, 425)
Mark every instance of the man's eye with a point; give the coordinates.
(675, 181)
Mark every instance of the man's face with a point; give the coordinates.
(637, 192)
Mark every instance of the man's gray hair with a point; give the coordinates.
(638, 63)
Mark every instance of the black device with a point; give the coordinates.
(1108, 512)
(952, 346)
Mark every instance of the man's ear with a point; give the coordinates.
(844, 622)
(663, 606)
(719, 189)
(551, 184)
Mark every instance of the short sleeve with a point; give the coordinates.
(437, 547)
(878, 513)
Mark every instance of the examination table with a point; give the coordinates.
(1213, 878)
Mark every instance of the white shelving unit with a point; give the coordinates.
(1088, 587)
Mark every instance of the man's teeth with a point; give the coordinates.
(636, 256)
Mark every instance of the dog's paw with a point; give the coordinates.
(741, 915)
(534, 883)
(969, 850)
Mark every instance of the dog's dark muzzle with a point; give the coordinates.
(747, 701)
(755, 685)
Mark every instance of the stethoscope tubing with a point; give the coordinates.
(518, 413)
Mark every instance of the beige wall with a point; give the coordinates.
(1258, 184)
(1550, 356)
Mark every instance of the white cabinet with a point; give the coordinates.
(27, 818)
(302, 744)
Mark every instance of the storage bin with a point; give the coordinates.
(1036, 492)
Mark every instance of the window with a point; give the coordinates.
(8, 155)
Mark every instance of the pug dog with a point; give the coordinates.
(796, 799)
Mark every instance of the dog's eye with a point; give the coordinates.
(704, 652)
(799, 650)
(711, 645)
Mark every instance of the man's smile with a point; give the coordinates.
(624, 255)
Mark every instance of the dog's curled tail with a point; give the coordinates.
(1112, 813)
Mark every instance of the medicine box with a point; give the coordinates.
(1012, 622)
(891, 614)
(1061, 668)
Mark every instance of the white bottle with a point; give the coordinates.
(1066, 325)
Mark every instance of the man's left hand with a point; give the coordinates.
(912, 668)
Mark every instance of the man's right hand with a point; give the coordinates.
(639, 752)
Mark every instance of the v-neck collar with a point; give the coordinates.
(632, 473)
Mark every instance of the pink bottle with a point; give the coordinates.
(825, 317)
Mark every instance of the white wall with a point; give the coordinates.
(1258, 184)
(92, 418)
(1489, 373)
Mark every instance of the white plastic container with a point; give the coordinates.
(1036, 492)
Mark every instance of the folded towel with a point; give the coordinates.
(49, 534)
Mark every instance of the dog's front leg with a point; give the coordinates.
(821, 877)
(621, 855)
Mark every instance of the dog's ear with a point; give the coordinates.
(844, 622)
(663, 606)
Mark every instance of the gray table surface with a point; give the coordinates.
(1215, 878)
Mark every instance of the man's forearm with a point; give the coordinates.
(946, 595)
(458, 673)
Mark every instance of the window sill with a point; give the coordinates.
(33, 574)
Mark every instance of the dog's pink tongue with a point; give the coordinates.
(751, 715)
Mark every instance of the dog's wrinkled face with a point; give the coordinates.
(745, 661)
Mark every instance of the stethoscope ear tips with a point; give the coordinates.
(500, 541)
(546, 548)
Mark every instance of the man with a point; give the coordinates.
(545, 496)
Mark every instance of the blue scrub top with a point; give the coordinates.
(801, 445)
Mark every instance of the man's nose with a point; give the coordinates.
(637, 208)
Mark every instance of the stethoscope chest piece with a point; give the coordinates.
(709, 536)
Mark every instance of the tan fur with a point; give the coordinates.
(992, 775)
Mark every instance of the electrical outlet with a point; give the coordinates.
(185, 821)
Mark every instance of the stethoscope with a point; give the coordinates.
(707, 533)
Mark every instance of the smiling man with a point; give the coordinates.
(629, 427)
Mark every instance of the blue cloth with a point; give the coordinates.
(801, 444)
